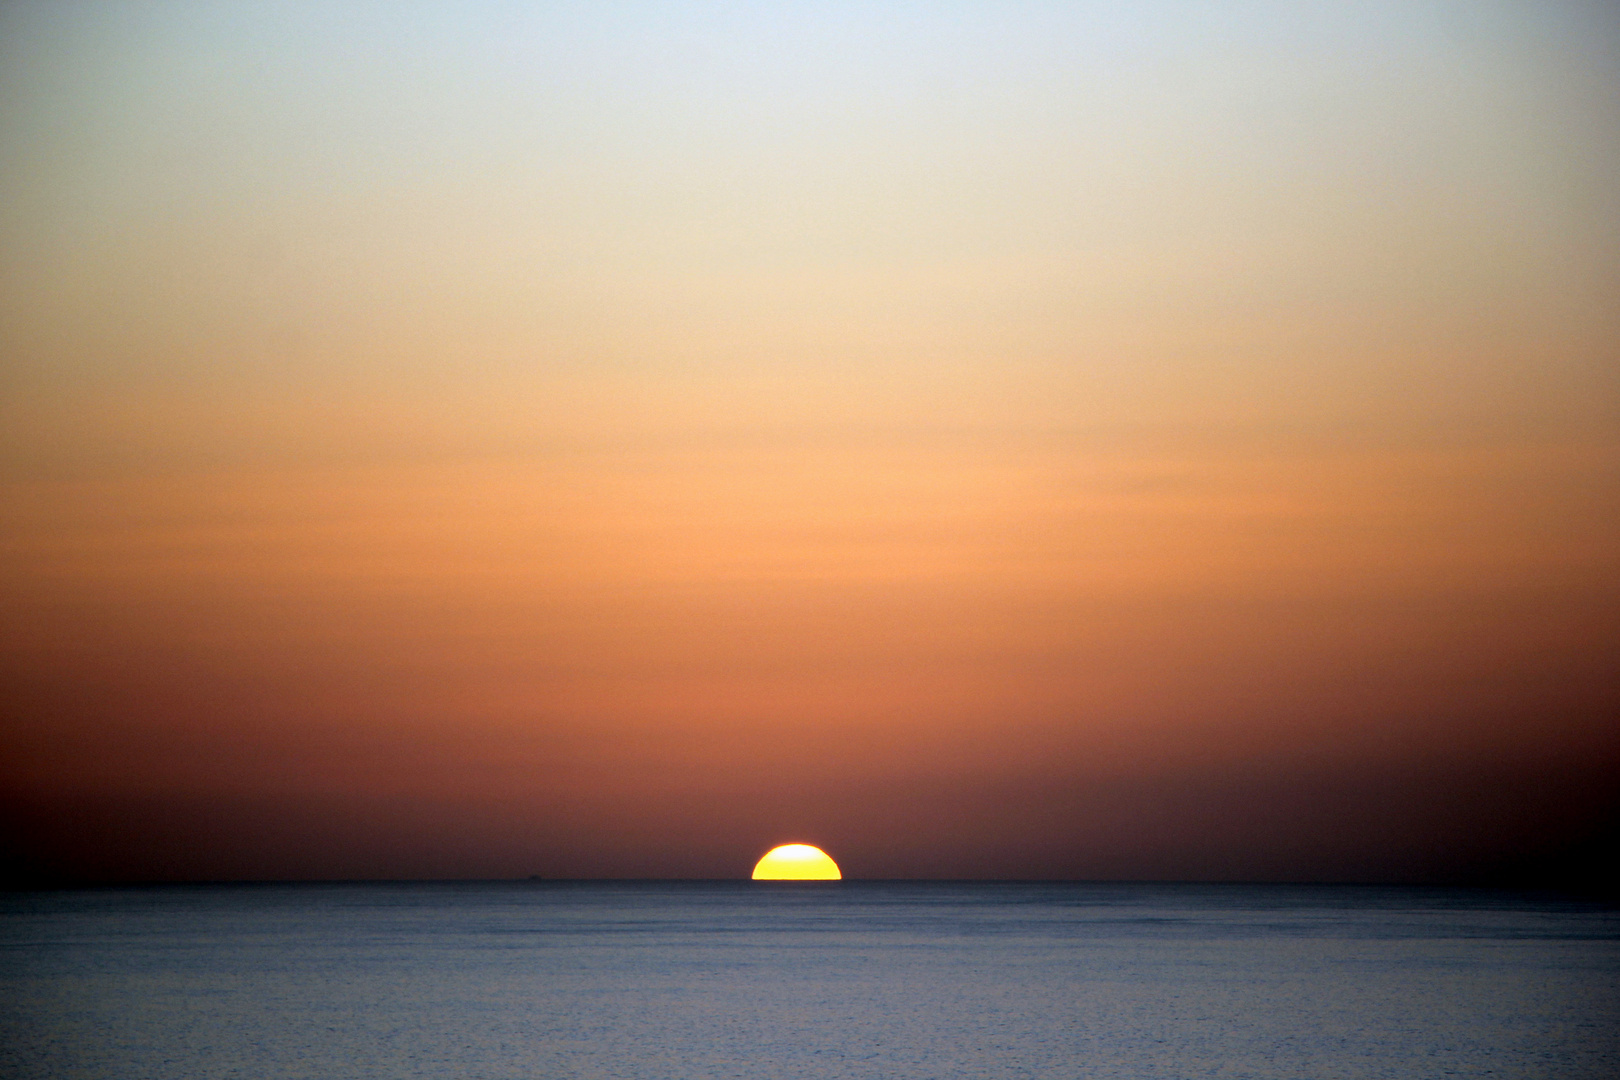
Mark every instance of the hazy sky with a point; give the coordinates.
(1047, 440)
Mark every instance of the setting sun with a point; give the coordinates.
(796, 862)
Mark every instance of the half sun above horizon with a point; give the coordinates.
(796, 862)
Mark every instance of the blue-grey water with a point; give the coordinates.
(851, 979)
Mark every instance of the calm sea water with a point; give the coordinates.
(852, 979)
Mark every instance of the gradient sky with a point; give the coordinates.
(984, 439)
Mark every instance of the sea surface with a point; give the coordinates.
(847, 979)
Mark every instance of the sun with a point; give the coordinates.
(796, 862)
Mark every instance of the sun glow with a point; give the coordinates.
(796, 862)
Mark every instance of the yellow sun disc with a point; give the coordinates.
(796, 862)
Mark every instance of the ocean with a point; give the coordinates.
(849, 979)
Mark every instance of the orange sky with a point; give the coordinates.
(1084, 440)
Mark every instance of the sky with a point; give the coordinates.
(986, 440)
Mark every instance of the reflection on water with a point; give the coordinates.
(851, 979)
